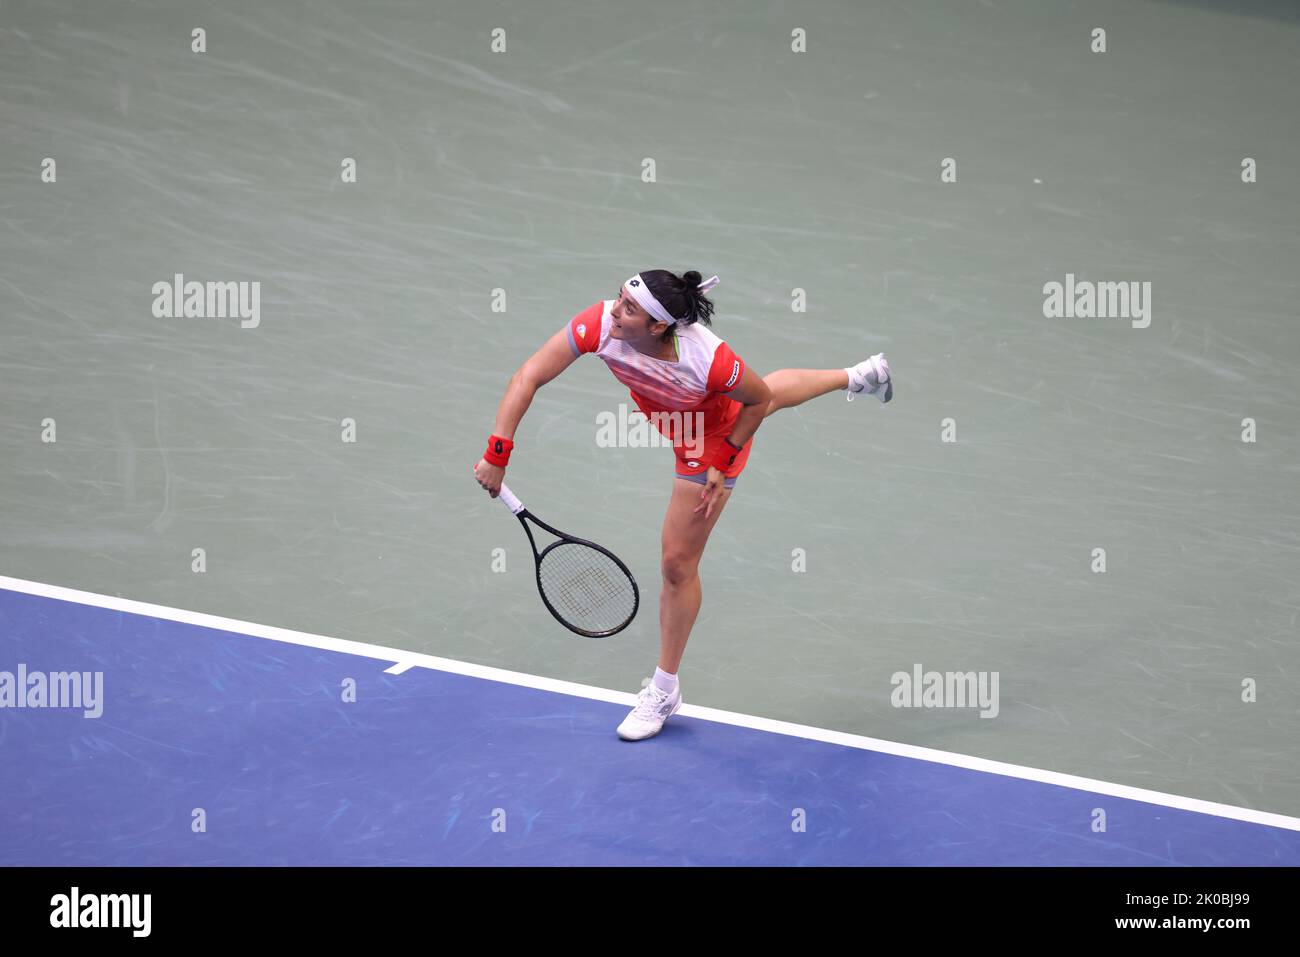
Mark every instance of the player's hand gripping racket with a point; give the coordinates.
(585, 586)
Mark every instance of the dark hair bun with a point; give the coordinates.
(680, 295)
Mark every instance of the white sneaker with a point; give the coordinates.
(871, 377)
(654, 706)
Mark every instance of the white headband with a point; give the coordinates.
(647, 301)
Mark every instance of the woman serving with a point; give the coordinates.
(655, 339)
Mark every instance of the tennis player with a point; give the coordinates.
(655, 339)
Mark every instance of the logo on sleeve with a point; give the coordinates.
(582, 331)
(735, 374)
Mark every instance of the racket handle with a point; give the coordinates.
(509, 499)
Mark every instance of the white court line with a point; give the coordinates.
(401, 668)
(407, 659)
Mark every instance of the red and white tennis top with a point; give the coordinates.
(699, 380)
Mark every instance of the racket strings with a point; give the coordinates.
(586, 587)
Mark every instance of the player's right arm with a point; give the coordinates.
(555, 355)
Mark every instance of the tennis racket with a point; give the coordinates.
(586, 587)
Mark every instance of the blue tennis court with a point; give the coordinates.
(261, 743)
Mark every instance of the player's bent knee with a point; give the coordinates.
(678, 569)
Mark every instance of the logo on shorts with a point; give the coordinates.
(735, 374)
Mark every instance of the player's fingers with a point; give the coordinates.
(706, 499)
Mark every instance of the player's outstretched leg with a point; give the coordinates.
(791, 387)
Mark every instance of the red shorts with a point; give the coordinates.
(693, 455)
(697, 470)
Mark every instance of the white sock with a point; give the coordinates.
(664, 681)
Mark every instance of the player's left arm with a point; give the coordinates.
(752, 393)
(731, 376)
